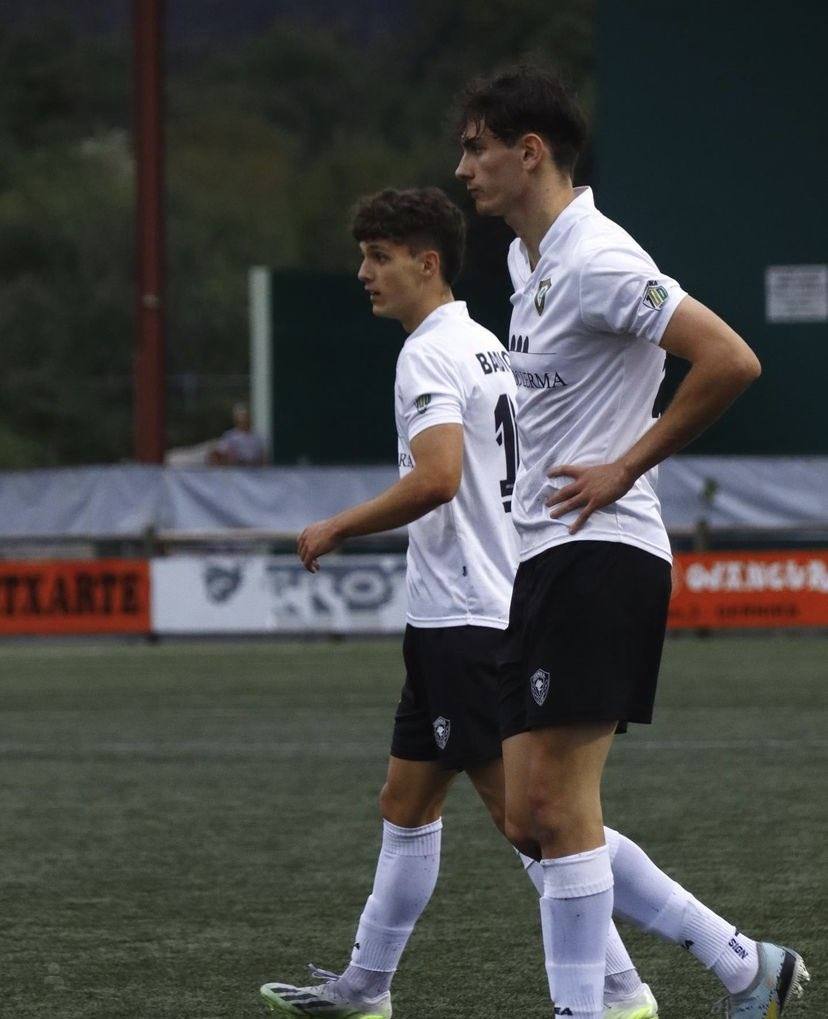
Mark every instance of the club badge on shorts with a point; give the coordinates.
(442, 731)
(539, 685)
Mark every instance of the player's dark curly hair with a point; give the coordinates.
(522, 100)
(420, 218)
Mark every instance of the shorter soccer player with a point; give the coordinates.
(458, 458)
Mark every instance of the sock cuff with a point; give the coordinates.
(571, 877)
(613, 840)
(412, 841)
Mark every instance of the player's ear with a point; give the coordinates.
(431, 263)
(532, 150)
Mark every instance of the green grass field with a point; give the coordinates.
(182, 822)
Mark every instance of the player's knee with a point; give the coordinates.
(549, 814)
(398, 807)
(557, 818)
(519, 834)
(389, 802)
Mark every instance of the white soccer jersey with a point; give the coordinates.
(584, 335)
(462, 556)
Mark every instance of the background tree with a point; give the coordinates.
(271, 136)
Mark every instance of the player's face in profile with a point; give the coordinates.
(490, 169)
(391, 276)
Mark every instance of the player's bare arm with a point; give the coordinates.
(722, 367)
(438, 458)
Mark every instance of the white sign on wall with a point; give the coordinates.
(796, 293)
(275, 594)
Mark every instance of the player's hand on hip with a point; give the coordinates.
(315, 541)
(591, 489)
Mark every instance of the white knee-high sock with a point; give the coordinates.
(651, 900)
(621, 978)
(576, 910)
(406, 874)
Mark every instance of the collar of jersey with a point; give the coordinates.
(581, 205)
(453, 309)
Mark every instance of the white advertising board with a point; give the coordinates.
(796, 293)
(274, 594)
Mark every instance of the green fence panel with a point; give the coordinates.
(711, 148)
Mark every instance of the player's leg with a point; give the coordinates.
(622, 643)
(625, 993)
(411, 804)
(478, 734)
(575, 666)
(756, 975)
(489, 785)
(561, 801)
(444, 723)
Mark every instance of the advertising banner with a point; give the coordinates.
(74, 597)
(275, 594)
(740, 590)
(361, 594)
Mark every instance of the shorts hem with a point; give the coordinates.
(451, 763)
(404, 755)
(621, 723)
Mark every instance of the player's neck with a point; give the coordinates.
(417, 314)
(535, 214)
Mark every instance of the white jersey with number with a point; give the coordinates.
(584, 347)
(462, 556)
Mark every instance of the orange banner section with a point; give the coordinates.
(82, 597)
(715, 590)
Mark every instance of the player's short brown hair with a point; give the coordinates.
(420, 218)
(522, 100)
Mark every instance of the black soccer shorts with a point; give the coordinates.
(448, 710)
(586, 631)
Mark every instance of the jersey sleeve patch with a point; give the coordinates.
(655, 295)
(622, 292)
(431, 391)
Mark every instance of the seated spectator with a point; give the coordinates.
(239, 446)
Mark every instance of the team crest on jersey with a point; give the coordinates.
(442, 731)
(654, 294)
(540, 296)
(539, 684)
(422, 402)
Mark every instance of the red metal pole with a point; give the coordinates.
(149, 367)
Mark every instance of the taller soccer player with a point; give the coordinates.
(592, 319)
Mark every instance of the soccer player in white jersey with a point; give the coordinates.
(458, 456)
(592, 318)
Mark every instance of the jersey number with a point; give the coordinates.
(660, 402)
(506, 435)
